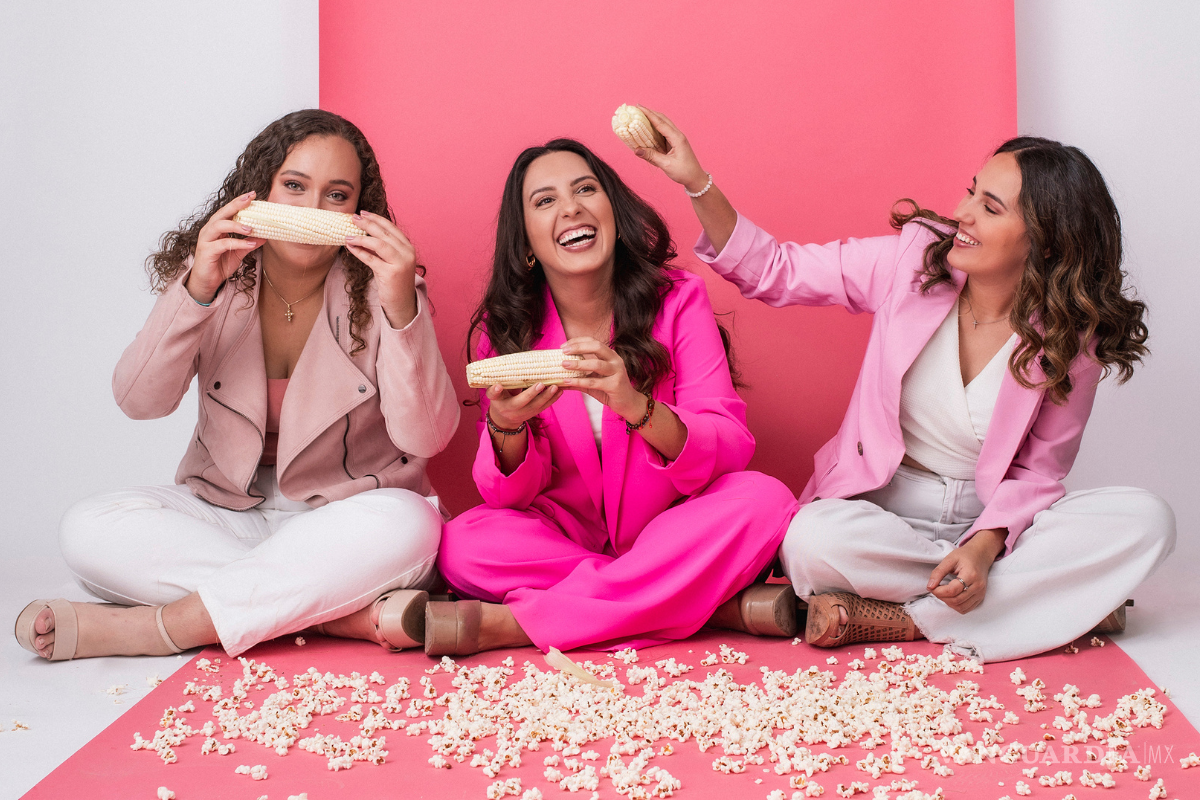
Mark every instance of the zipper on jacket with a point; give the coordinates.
(337, 329)
(261, 442)
(346, 455)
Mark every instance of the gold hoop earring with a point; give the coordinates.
(530, 261)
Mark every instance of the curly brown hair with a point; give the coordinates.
(1072, 292)
(254, 171)
(512, 311)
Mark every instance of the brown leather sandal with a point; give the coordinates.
(869, 620)
(1114, 622)
(452, 629)
(762, 609)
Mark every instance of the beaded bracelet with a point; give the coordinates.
(504, 432)
(630, 427)
(703, 191)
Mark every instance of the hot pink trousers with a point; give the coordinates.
(690, 558)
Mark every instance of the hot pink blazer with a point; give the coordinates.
(348, 423)
(1031, 442)
(564, 478)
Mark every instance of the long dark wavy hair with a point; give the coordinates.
(1073, 289)
(255, 171)
(513, 310)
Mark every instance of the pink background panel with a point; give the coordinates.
(813, 118)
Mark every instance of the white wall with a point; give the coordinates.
(1121, 81)
(116, 121)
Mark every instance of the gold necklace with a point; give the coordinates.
(289, 313)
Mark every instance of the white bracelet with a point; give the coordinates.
(703, 191)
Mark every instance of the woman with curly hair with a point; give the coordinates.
(302, 497)
(616, 509)
(937, 509)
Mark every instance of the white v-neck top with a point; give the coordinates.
(595, 412)
(943, 422)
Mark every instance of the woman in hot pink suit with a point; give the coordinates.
(627, 523)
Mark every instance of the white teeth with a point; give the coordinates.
(962, 237)
(573, 236)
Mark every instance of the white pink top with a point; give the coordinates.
(595, 412)
(943, 422)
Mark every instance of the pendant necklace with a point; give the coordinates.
(288, 314)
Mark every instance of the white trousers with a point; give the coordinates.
(1079, 560)
(274, 569)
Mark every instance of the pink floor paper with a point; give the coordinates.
(107, 768)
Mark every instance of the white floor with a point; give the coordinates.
(66, 704)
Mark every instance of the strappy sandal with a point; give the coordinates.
(66, 628)
(869, 620)
(452, 628)
(761, 609)
(402, 618)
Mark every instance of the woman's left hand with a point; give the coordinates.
(603, 376)
(969, 564)
(393, 260)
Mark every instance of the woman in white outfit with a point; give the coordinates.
(302, 497)
(938, 508)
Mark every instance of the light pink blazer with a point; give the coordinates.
(348, 423)
(564, 478)
(1031, 443)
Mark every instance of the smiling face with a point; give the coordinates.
(569, 221)
(319, 172)
(991, 243)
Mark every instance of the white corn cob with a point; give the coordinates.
(521, 370)
(301, 224)
(631, 125)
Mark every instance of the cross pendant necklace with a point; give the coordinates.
(288, 314)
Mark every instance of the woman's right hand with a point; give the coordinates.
(510, 411)
(680, 162)
(218, 255)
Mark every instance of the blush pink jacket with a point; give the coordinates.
(1031, 442)
(348, 424)
(563, 476)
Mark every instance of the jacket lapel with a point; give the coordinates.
(914, 319)
(571, 414)
(325, 385)
(615, 452)
(1010, 424)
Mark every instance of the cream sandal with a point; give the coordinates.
(66, 628)
(402, 618)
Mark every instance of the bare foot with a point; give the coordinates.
(499, 628)
(843, 620)
(105, 631)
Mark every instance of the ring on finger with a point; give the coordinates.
(966, 588)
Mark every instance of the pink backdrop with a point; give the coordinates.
(812, 118)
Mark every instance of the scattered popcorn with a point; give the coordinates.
(731, 656)
(1071, 649)
(857, 664)
(153, 680)
(165, 794)
(300, 641)
(117, 690)
(437, 762)
(776, 794)
(532, 794)
(1142, 773)
(797, 641)
(501, 788)
(627, 656)
(1158, 791)
(19, 726)
(1097, 641)
(1017, 676)
(831, 660)
(869, 654)
(301, 796)
(1023, 789)
(710, 659)
(1030, 773)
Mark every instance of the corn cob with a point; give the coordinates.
(631, 125)
(521, 370)
(300, 224)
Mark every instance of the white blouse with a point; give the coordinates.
(943, 422)
(595, 412)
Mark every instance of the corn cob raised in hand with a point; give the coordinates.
(631, 125)
(521, 370)
(300, 224)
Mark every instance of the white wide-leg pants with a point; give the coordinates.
(274, 569)
(1077, 562)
